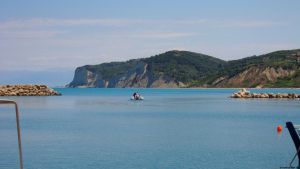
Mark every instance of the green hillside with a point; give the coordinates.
(290, 81)
(112, 69)
(276, 69)
(285, 59)
(184, 66)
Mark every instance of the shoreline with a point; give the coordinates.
(169, 88)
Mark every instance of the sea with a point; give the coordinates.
(99, 128)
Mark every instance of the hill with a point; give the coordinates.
(189, 69)
(275, 69)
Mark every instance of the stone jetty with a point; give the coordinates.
(27, 90)
(246, 94)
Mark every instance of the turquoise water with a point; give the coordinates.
(170, 129)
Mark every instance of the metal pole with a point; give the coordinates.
(18, 128)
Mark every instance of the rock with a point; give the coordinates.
(27, 90)
(234, 95)
(246, 94)
(271, 95)
(265, 95)
(253, 94)
(259, 86)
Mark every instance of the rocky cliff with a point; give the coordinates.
(168, 70)
(188, 69)
(135, 77)
(254, 77)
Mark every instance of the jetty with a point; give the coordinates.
(247, 94)
(27, 90)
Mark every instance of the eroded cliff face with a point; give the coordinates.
(253, 77)
(138, 77)
(174, 69)
(141, 77)
(80, 77)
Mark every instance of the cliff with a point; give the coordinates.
(188, 69)
(167, 70)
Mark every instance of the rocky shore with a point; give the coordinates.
(27, 90)
(246, 94)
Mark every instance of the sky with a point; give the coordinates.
(43, 41)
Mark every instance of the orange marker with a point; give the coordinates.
(279, 128)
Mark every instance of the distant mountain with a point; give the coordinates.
(189, 69)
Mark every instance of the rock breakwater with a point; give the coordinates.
(27, 90)
(246, 94)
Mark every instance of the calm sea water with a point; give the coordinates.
(170, 129)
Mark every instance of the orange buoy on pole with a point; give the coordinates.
(279, 128)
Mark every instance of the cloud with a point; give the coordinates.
(164, 34)
(45, 43)
(51, 27)
(48, 22)
(48, 28)
(151, 34)
(30, 33)
(247, 24)
(135, 28)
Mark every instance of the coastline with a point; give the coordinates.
(172, 88)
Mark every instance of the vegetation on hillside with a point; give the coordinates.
(290, 81)
(285, 59)
(184, 66)
(195, 69)
(112, 69)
